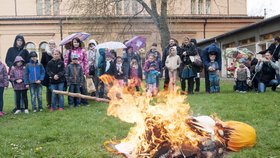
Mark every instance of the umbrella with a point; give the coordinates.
(111, 45)
(136, 42)
(81, 35)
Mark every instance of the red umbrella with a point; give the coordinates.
(136, 42)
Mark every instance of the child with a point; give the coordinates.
(241, 75)
(152, 60)
(74, 77)
(119, 75)
(17, 77)
(172, 63)
(34, 75)
(108, 69)
(152, 79)
(135, 73)
(55, 69)
(214, 74)
(4, 82)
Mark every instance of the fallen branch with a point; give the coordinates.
(78, 95)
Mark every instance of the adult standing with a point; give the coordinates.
(275, 50)
(172, 42)
(127, 56)
(76, 48)
(16, 50)
(211, 49)
(93, 56)
(267, 70)
(198, 68)
(187, 70)
(46, 57)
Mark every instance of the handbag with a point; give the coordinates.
(196, 60)
(90, 85)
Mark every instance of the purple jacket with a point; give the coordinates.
(4, 81)
(147, 65)
(16, 74)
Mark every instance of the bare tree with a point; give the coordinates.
(107, 9)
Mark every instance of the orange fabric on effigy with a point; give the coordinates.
(241, 135)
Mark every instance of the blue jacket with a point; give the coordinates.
(152, 76)
(101, 61)
(205, 56)
(33, 72)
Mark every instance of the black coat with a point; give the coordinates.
(275, 51)
(17, 51)
(44, 61)
(56, 67)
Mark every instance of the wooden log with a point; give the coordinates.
(78, 95)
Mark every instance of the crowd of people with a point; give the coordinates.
(69, 70)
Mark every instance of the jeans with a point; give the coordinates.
(278, 78)
(21, 95)
(74, 88)
(262, 86)
(214, 83)
(241, 85)
(36, 92)
(59, 87)
(1, 98)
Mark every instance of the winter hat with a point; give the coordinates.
(153, 65)
(74, 56)
(18, 58)
(33, 54)
(92, 41)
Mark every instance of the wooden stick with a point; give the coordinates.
(78, 95)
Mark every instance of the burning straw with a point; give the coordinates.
(167, 130)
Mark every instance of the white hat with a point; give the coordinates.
(92, 41)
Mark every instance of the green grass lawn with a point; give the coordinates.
(81, 132)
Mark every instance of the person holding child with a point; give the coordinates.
(4, 83)
(17, 78)
(74, 77)
(172, 63)
(56, 71)
(33, 76)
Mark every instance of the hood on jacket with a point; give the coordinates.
(102, 51)
(214, 49)
(18, 58)
(23, 41)
(92, 41)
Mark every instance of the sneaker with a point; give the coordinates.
(51, 109)
(41, 110)
(18, 111)
(60, 109)
(35, 110)
(1, 113)
(26, 111)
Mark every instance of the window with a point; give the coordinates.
(56, 7)
(193, 6)
(200, 6)
(127, 7)
(42, 48)
(30, 47)
(118, 7)
(39, 7)
(135, 7)
(208, 6)
(47, 7)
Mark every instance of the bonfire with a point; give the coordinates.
(165, 128)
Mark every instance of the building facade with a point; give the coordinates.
(42, 20)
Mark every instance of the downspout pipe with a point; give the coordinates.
(204, 28)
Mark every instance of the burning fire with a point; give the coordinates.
(164, 127)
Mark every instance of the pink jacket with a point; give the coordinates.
(83, 59)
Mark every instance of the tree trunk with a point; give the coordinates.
(164, 33)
